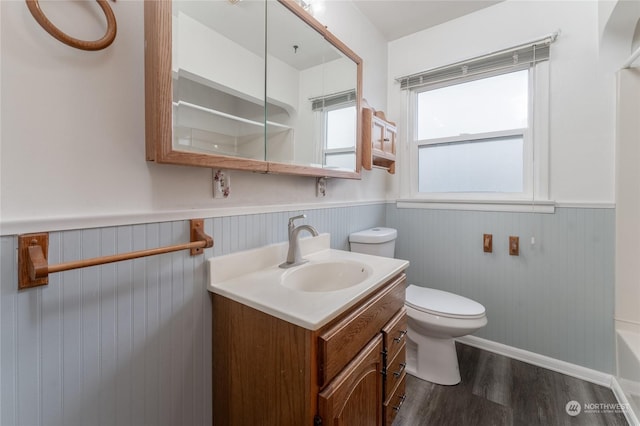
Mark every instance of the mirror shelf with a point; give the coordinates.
(195, 117)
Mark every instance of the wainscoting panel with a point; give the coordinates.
(556, 298)
(128, 343)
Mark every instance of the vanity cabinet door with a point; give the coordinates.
(354, 396)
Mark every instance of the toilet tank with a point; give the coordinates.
(376, 241)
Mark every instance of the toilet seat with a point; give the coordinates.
(442, 303)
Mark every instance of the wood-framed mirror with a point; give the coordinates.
(257, 85)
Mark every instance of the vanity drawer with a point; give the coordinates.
(395, 333)
(342, 341)
(393, 405)
(395, 371)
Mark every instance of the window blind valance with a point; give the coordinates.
(322, 102)
(514, 57)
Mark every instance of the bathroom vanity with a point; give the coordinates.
(285, 354)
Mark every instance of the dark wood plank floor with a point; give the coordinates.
(496, 390)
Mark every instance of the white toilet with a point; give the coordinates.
(435, 317)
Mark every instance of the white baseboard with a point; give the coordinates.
(544, 361)
(629, 414)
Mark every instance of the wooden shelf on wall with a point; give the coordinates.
(378, 141)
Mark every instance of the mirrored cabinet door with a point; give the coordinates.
(250, 85)
(312, 95)
(218, 65)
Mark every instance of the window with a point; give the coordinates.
(471, 137)
(340, 131)
(336, 116)
(478, 129)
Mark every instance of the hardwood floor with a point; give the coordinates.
(496, 390)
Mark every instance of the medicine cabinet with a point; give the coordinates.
(255, 85)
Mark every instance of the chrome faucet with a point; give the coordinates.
(294, 257)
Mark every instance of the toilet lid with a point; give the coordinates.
(442, 303)
(374, 235)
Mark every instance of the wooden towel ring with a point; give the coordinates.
(105, 41)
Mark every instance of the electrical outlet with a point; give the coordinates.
(321, 187)
(221, 184)
(514, 246)
(487, 243)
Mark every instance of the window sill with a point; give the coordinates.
(492, 206)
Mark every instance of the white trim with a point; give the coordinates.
(540, 109)
(634, 56)
(521, 206)
(573, 370)
(473, 137)
(586, 205)
(493, 206)
(65, 223)
(616, 318)
(621, 397)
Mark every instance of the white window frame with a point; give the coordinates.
(535, 145)
(325, 124)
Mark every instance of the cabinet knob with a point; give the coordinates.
(400, 337)
(403, 365)
(402, 398)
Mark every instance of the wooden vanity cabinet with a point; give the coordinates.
(268, 371)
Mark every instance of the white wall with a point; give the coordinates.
(344, 19)
(582, 100)
(72, 135)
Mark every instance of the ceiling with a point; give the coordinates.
(289, 38)
(398, 18)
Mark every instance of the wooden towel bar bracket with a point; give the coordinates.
(105, 41)
(34, 270)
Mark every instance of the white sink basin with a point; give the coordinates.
(309, 295)
(326, 276)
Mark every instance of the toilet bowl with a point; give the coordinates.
(434, 317)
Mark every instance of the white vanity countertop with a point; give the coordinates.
(252, 277)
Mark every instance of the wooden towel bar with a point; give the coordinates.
(34, 270)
